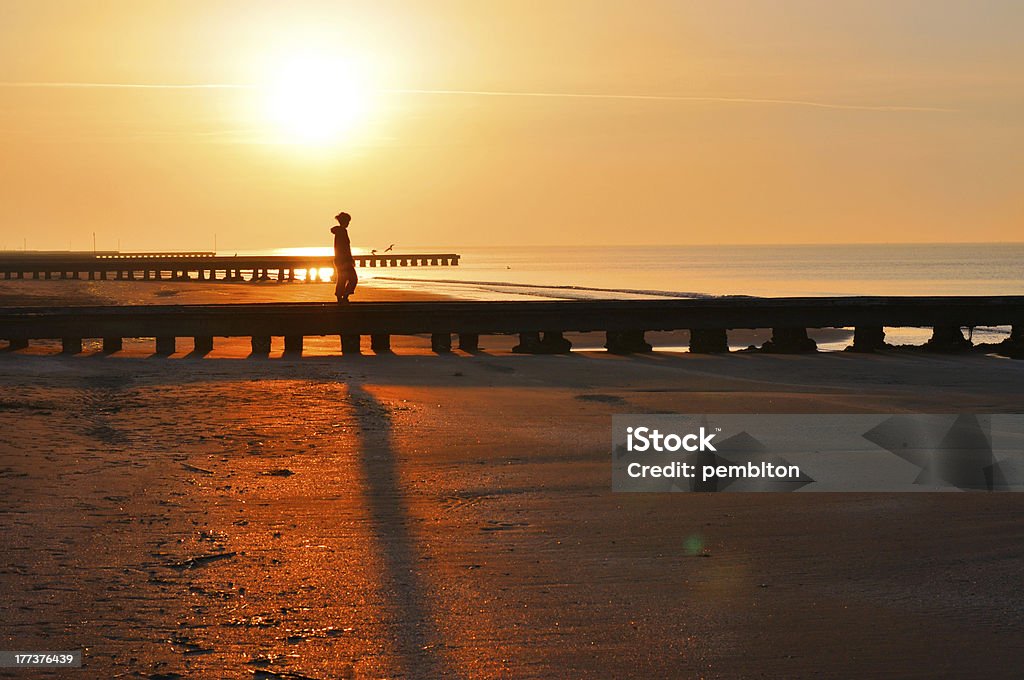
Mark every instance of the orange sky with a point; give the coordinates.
(720, 121)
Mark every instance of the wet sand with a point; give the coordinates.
(422, 516)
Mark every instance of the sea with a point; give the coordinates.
(632, 272)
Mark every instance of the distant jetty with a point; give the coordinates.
(195, 265)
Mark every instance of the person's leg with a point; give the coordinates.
(351, 279)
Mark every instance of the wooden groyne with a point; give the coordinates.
(198, 266)
(540, 325)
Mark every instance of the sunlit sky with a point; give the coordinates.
(459, 122)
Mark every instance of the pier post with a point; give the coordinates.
(165, 346)
(529, 343)
(261, 345)
(550, 342)
(867, 339)
(35, 275)
(948, 339)
(441, 342)
(70, 345)
(112, 345)
(202, 344)
(469, 342)
(626, 342)
(789, 341)
(709, 340)
(103, 275)
(380, 343)
(1013, 346)
(17, 344)
(293, 344)
(350, 344)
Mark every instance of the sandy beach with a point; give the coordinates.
(430, 516)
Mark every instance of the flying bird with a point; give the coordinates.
(389, 248)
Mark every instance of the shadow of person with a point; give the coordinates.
(416, 637)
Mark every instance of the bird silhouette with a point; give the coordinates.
(389, 248)
(373, 252)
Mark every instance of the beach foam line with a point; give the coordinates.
(499, 285)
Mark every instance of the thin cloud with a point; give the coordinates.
(131, 86)
(680, 98)
(499, 93)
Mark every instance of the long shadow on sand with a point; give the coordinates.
(416, 638)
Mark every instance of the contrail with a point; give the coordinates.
(132, 86)
(680, 98)
(499, 93)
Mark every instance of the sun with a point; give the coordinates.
(316, 99)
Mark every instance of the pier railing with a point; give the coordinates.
(540, 325)
(199, 266)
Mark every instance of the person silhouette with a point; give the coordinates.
(344, 265)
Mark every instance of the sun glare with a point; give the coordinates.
(316, 100)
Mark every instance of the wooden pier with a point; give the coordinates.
(197, 266)
(540, 325)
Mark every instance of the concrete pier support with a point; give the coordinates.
(709, 340)
(166, 346)
(261, 345)
(13, 345)
(441, 342)
(789, 341)
(70, 345)
(626, 342)
(469, 342)
(202, 344)
(1013, 346)
(112, 345)
(867, 339)
(103, 275)
(381, 343)
(948, 339)
(351, 344)
(293, 344)
(548, 342)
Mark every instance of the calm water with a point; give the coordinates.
(969, 269)
(813, 270)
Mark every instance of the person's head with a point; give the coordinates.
(343, 218)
